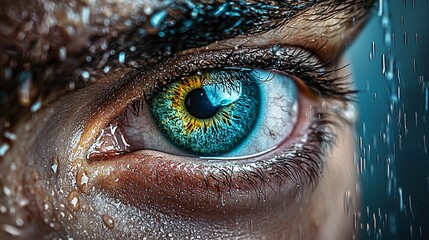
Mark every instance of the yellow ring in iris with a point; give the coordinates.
(206, 136)
(190, 123)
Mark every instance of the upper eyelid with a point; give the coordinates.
(139, 84)
(320, 77)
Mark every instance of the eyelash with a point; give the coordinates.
(300, 163)
(317, 79)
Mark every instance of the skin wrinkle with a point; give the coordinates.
(62, 121)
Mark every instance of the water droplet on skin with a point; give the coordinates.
(157, 18)
(24, 90)
(55, 166)
(3, 209)
(85, 15)
(11, 230)
(36, 106)
(85, 75)
(82, 181)
(7, 191)
(3, 149)
(23, 202)
(9, 135)
(108, 221)
(19, 222)
(72, 86)
(106, 69)
(73, 200)
(121, 57)
(62, 53)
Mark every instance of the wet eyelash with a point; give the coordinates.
(294, 61)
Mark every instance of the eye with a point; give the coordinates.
(228, 113)
(224, 124)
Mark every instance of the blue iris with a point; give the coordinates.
(208, 114)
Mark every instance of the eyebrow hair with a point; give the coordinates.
(184, 25)
(171, 28)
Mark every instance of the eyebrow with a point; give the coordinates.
(183, 25)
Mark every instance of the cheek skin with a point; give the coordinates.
(330, 212)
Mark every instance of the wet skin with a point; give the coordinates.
(51, 190)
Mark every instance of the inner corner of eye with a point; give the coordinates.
(110, 142)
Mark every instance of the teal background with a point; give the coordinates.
(393, 126)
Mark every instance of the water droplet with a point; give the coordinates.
(3, 209)
(73, 199)
(11, 230)
(24, 90)
(82, 181)
(108, 221)
(157, 18)
(9, 135)
(3, 149)
(426, 97)
(121, 57)
(55, 166)
(85, 15)
(62, 53)
(36, 106)
(401, 200)
(23, 202)
(106, 69)
(85, 75)
(221, 9)
(7, 191)
(19, 222)
(348, 201)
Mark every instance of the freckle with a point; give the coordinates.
(73, 199)
(82, 180)
(108, 221)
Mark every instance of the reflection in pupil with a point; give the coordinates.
(199, 105)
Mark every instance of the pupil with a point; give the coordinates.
(199, 105)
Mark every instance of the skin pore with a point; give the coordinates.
(75, 53)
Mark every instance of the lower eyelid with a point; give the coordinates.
(151, 178)
(148, 178)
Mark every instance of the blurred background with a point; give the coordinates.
(390, 64)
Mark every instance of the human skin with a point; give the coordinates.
(146, 193)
